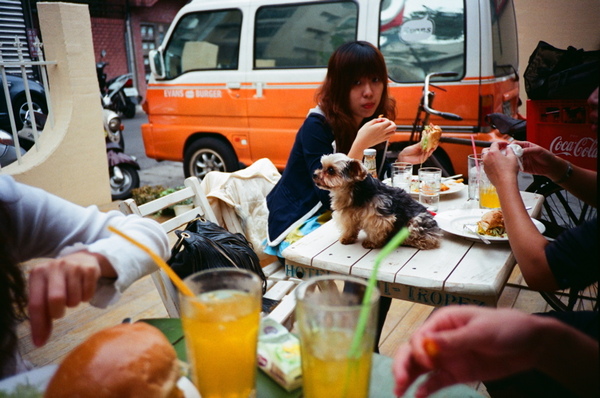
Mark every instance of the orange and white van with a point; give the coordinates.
(233, 80)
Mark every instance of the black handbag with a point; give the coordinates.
(554, 73)
(204, 245)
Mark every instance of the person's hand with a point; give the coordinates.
(500, 164)
(466, 343)
(375, 131)
(55, 284)
(538, 160)
(414, 154)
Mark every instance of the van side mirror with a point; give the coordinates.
(157, 64)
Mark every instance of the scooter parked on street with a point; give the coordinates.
(123, 168)
(118, 93)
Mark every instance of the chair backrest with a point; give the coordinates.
(167, 291)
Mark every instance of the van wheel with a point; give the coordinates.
(208, 154)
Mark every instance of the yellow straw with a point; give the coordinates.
(159, 261)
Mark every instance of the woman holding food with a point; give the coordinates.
(346, 120)
(354, 113)
(79, 261)
(554, 354)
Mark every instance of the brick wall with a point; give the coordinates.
(109, 35)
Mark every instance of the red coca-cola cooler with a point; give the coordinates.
(564, 127)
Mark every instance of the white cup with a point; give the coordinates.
(401, 175)
(430, 181)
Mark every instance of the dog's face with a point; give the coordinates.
(338, 170)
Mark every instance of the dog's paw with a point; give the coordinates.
(368, 244)
(347, 240)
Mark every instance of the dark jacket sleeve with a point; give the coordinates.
(295, 196)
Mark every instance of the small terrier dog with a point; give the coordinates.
(362, 202)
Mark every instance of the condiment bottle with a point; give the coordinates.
(370, 162)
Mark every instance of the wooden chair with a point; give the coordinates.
(167, 291)
(279, 286)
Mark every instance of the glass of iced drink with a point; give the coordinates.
(327, 315)
(221, 326)
(488, 197)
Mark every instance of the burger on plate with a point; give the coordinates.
(127, 360)
(492, 224)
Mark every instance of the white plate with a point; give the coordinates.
(451, 184)
(40, 378)
(453, 221)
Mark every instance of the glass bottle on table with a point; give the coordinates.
(370, 162)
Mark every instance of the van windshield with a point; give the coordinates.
(418, 37)
(204, 41)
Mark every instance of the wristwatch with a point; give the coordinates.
(567, 174)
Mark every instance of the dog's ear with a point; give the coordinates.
(356, 170)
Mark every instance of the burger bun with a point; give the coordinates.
(127, 360)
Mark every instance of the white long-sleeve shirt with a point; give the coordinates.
(45, 225)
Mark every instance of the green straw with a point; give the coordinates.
(396, 241)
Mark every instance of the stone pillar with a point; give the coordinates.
(71, 161)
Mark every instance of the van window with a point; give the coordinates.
(204, 41)
(303, 35)
(418, 37)
(504, 38)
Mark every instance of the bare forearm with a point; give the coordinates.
(580, 182)
(573, 362)
(525, 240)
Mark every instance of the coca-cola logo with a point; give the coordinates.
(585, 147)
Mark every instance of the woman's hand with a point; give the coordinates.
(467, 343)
(55, 284)
(540, 161)
(500, 164)
(370, 134)
(414, 154)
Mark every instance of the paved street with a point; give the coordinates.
(168, 174)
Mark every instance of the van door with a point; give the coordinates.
(292, 46)
(201, 91)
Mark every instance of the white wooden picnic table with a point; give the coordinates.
(460, 271)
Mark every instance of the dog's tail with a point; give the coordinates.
(424, 233)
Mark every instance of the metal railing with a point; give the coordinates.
(22, 64)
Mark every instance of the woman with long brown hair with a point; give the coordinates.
(354, 113)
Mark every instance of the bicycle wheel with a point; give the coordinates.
(563, 211)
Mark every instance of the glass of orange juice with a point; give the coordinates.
(221, 324)
(488, 197)
(327, 314)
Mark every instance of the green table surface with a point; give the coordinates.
(382, 381)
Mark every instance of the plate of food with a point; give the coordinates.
(468, 223)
